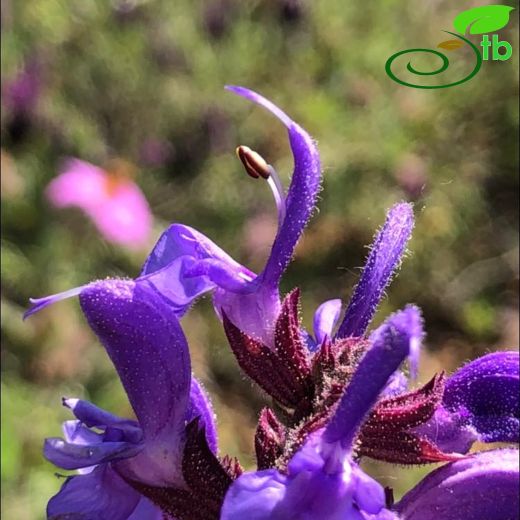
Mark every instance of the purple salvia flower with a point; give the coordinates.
(185, 264)
(480, 402)
(322, 480)
(342, 395)
(194, 264)
(482, 487)
(147, 346)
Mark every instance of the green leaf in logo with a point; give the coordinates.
(484, 19)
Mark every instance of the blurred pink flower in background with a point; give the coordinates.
(108, 196)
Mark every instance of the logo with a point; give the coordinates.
(479, 20)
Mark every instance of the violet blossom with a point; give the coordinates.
(113, 202)
(336, 396)
(174, 432)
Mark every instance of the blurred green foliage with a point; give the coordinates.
(143, 80)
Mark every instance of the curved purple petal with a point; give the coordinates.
(178, 241)
(73, 456)
(77, 433)
(177, 289)
(390, 346)
(200, 406)
(481, 487)
(222, 275)
(325, 319)
(93, 416)
(99, 494)
(147, 346)
(184, 264)
(384, 258)
(487, 390)
(302, 193)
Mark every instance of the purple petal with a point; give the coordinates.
(147, 346)
(451, 432)
(254, 495)
(173, 284)
(384, 258)
(76, 432)
(73, 456)
(178, 241)
(200, 406)
(147, 510)
(390, 346)
(325, 319)
(92, 416)
(309, 491)
(255, 313)
(262, 101)
(99, 494)
(482, 487)
(185, 264)
(302, 194)
(488, 390)
(222, 275)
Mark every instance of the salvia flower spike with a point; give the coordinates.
(335, 395)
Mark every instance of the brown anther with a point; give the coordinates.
(253, 162)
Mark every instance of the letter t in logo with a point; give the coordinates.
(485, 43)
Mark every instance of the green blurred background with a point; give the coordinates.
(143, 81)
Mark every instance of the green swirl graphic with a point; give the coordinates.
(445, 64)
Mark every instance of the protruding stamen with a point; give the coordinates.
(276, 187)
(256, 166)
(253, 162)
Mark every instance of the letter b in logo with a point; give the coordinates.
(497, 45)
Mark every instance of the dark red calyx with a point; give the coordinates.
(283, 371)
(387, 434)
(332, 368)
(207, 481)
(269, 439)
